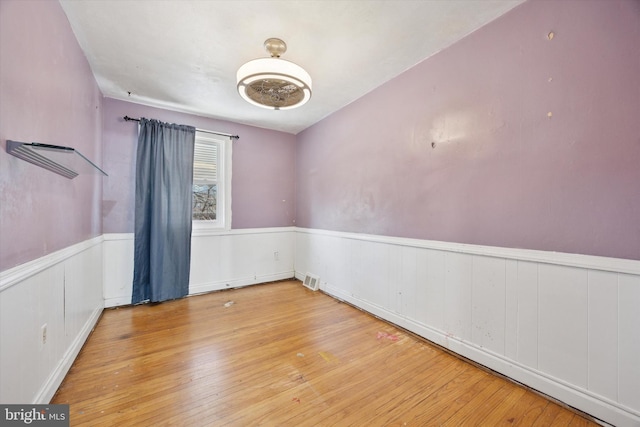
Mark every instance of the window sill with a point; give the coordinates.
(206, 228)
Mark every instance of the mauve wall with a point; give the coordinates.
(48, 95)
(262, 187)
(506, 138)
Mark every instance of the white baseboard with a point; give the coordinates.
(240, 282)
(388, 277)
(62, 291)
(117, 301)
(545, 384)
(212, 286)
(46, 393)
(219, 260)
(563, 324)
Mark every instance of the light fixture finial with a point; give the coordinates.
(275, 47)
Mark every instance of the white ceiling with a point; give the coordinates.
(183, 54)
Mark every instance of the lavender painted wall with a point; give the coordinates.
(263, 175)
(507, 138)
(48, 95)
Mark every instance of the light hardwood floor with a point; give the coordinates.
(282, 355)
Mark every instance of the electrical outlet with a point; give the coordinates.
(43, 333)
(276, 256)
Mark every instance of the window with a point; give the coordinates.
(211, 182)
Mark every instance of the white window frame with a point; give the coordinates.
(223, 209)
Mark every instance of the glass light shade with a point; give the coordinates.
(274, 83)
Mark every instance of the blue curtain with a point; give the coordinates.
(164, 180)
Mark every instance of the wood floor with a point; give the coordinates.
(281, 355)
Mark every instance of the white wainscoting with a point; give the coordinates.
(566, 325)
(62, 290)
(219, 260)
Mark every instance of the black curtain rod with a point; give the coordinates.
(131, 119)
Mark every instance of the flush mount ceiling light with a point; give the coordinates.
(273, 82)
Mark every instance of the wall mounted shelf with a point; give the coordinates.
(65, 161)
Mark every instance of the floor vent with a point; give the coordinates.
(311, 281)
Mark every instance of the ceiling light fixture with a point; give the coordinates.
(273, 82)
